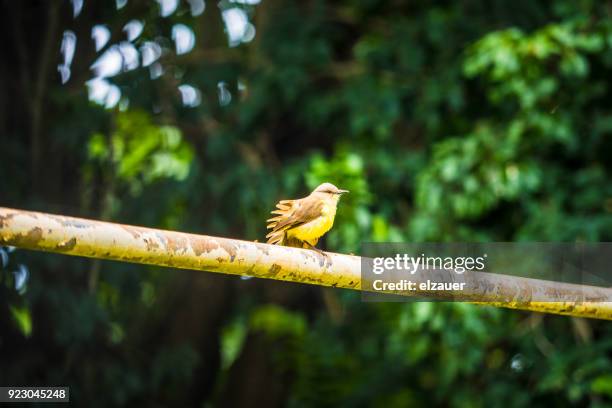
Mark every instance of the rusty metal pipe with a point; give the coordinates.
(104, 240)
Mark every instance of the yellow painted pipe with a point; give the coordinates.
(104, 240)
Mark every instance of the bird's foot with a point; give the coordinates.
(320, 252)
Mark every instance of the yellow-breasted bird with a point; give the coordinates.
(300, 223)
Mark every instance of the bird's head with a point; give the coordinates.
(329, 190)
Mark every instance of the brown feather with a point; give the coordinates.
(291, 214)
(285, 204)
(306, 211)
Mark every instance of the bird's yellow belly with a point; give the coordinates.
(313, 230)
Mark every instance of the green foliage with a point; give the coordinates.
(141, 152)
(274, 321)
(22, 319)
(603, 385)
(232, 341)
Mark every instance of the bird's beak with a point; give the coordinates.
(342, 191)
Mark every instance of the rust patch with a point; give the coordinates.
(274, 270)
(177, 244)
(133, 231)
(35, 234)
(201, 245)
(249, 271)
(66, 245)
(4, 219)
(230, 249)
(151, 244)
(26, 240)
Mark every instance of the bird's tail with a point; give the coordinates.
(278, 235)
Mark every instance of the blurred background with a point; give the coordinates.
(448, 121)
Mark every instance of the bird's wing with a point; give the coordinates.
(291, 214)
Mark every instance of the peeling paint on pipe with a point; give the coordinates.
(104, 240)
